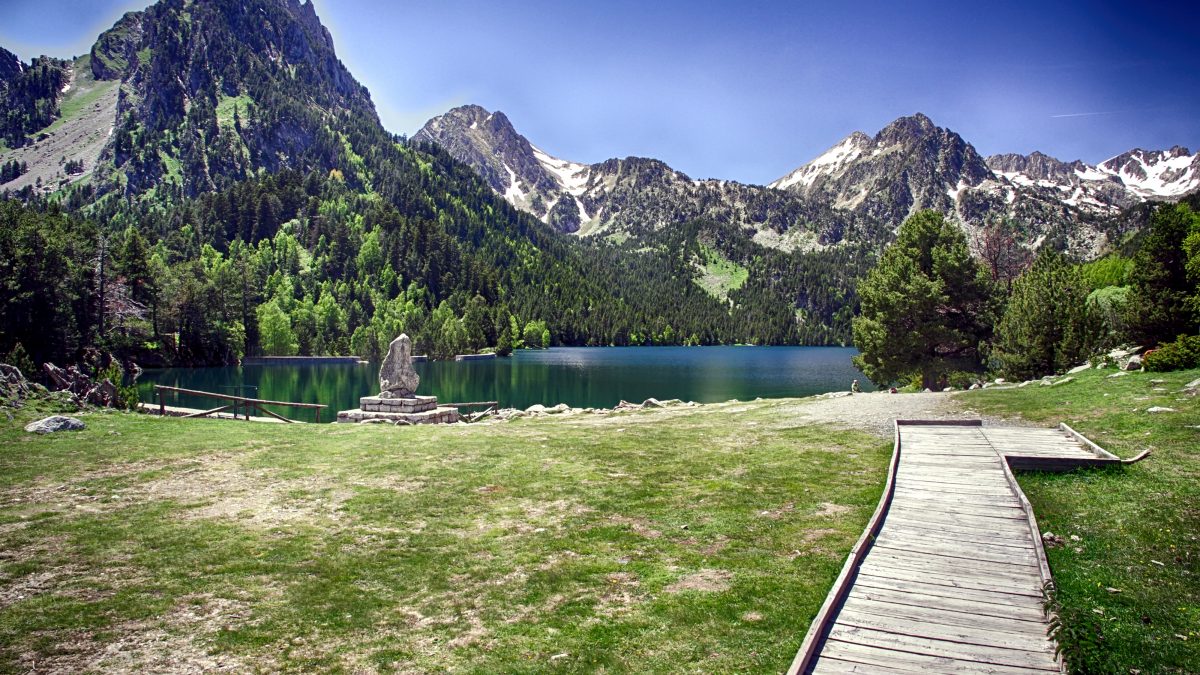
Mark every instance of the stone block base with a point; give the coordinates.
(434, 416)
(415, 404)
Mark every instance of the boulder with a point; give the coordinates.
(1160, 409)
(999, 380)
(560, 408)
(1119, 373)
(397, 379)
(1134, 363)
(652, 403)
(1079, 369)
(535, 409)
(50, 425)
(1194, 384)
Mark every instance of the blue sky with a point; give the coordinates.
(750, 90)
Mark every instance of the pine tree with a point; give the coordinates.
(927, 306)
(1047, 326)
(1160, 303)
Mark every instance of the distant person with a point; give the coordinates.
(854, 389)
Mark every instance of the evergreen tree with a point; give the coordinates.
(1161, 306)
(1047, 326)
(926, 307)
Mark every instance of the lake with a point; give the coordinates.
(597, 377)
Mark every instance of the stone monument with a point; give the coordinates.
(397, 401)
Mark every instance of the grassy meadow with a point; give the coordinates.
(700, 539)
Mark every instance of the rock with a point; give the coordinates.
(948, 389)
(1079, 369)
(560, 408)
(1157, 382)
(376, 421)
(988, 385)
(50, 425)
(927, 390)
(672, 402)
(652, 403)
(1051, 540)
(1026, 383)
(974, 386)
(1134, 363)
(1119, 373)
(1062, 381)
(1194, 384)
(536, 408)
(999, 380)
(1160, 409)
(397, 379)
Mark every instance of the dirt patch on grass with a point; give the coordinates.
(706, 580)
(831, 509)
(171, 644)
(637, 525)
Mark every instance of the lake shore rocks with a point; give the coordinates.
(55, 423)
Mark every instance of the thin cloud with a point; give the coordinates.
(1087, 114)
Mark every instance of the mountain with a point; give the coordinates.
(219, 184)
(913, 164)
(623, 197)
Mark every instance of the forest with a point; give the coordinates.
(932, 315)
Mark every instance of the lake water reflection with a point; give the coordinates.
(577, 376)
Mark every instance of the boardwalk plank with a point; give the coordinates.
(946, 648)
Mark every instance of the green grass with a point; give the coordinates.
(226, 106)
(1138, 528)
(687, 540)
(80, 100)
(720, 275)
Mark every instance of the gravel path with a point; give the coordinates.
(875, 411)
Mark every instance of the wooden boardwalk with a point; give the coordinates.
(949, 575)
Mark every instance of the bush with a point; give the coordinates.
(1181, 354)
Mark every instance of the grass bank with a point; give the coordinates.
(701, 540)
(1128, 574)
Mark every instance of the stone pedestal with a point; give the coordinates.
(415, 404)
(411, 410)
(432, 416)
(397, 401)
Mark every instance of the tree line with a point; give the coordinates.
(934, 315)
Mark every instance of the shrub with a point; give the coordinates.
(1181, 354)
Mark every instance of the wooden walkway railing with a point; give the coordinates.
(250, 403)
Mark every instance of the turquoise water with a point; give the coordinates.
(597, 377)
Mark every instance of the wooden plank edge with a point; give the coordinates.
(947, 423)
(810, 648)
(1086, 442)
(1043, 563)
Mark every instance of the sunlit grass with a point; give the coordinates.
(702, 539)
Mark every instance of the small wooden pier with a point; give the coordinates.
(235, 402)
(949, 575)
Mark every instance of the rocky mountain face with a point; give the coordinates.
(912, 164)
(858, 191)
(10, 66)
(634, 195)
(213, 91)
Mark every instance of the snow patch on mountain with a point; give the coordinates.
(831, 161)
(572, 176)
